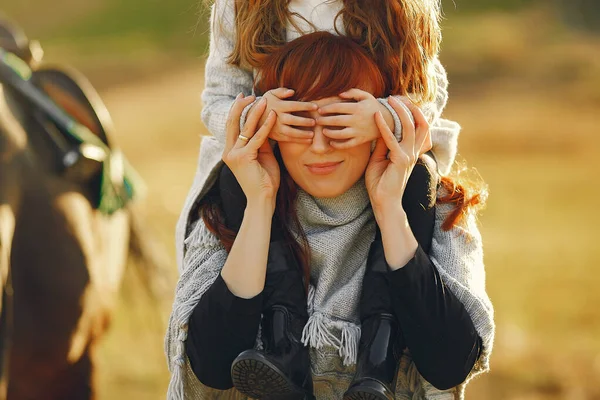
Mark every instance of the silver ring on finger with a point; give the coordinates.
(244, 138)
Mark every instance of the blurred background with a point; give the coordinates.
(525, 86)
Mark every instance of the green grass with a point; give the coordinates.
(540, 234)
(538, 155)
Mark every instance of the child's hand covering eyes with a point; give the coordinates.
(288, 127)
(354, 120)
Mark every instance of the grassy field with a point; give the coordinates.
(538, 156)
(529, 104)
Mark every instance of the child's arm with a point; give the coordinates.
(223, 81)
(444, 133)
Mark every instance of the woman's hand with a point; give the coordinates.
(392, 162)
(288, 127)
(353, 123)
(249, 154)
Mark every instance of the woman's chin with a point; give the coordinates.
(324, 190)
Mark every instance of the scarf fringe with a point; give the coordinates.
(318, 332)
(349, 347)
(310, 299)
(176, 389)
(199, 237)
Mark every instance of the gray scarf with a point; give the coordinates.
(339, 232)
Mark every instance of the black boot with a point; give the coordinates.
(381, 342)
(380, 349)
(282, 369)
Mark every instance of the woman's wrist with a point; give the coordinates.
(245, 268)
(261, 206)
(387, 212)
(399, 243)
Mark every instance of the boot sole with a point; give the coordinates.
(256, 377)
(362, 396)
(368, 391)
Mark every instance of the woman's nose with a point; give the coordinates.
(320, 142)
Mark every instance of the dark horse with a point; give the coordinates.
(64, 257)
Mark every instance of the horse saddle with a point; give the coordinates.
(70, 113)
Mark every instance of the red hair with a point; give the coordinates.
(464, 195)
(320, 65)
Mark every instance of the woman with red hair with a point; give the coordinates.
(361, 287)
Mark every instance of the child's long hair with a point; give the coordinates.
(316, 66)
(403, 36)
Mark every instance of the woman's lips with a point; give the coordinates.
(323, 168)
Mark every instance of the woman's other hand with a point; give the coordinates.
(350, 123)
(387, 174)
(288, 127)
(249, 154)
(392, 162)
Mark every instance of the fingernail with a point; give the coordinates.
(239, 96)
(393, 100)
(314, 106)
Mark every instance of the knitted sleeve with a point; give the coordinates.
(203, 260)
(458, 256)
(222, 81)
(444, 133)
